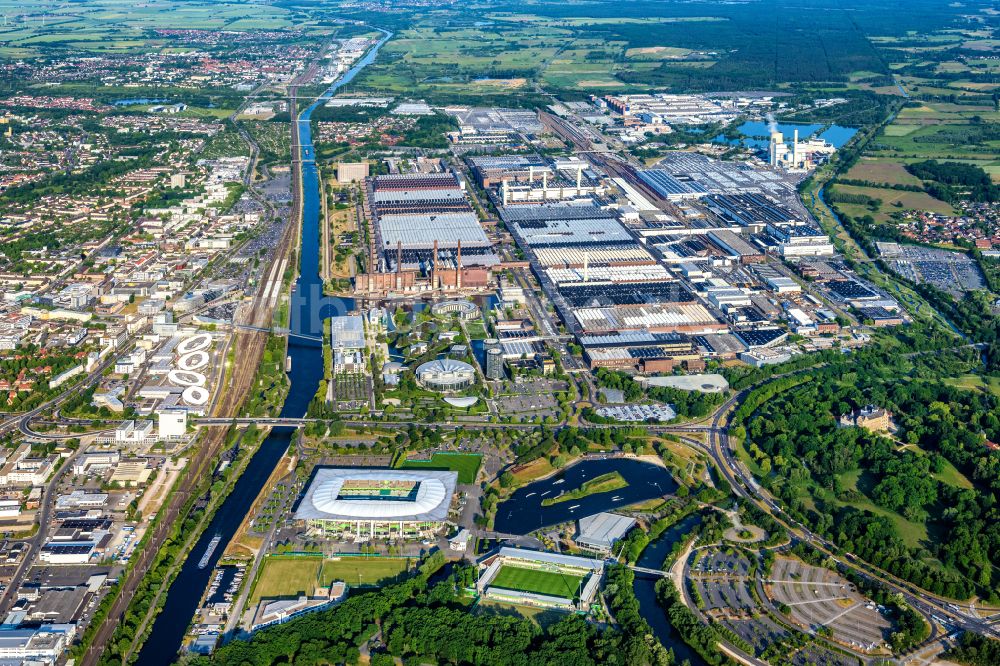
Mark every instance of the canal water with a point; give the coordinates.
(523, 512)
(309, 307)
(645, 593)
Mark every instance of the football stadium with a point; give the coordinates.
(546, 580)
(365, 504)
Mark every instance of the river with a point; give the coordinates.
(644, 587)
(523, 512)
(308, 309)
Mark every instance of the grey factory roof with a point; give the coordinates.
(382, 196)
(573, 232)
(323, 500)
(667, 185)
(506, 161)
(421, 230)
(602, 529)
(552, 212)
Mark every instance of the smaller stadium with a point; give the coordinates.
(546, 580)
(365, 504)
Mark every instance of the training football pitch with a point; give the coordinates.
(549, 583)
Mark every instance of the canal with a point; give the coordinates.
(308, 309)
(523, 512)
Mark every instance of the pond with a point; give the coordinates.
(756, 134)
(136, 101)
(523, 512)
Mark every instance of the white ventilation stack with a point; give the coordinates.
(586, 266)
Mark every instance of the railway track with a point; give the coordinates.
(248, 347)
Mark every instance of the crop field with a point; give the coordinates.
(882, 171)
(108, 26)
(535, 581)
(892, 201)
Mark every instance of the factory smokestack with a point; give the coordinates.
(399, 265)
(434, 266)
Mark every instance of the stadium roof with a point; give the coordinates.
(323, 499)
(551, 558)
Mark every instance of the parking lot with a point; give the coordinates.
(733, 595)
(818, 598)
(759, 633)
(954, 272)
(720, 562)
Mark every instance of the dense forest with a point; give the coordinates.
(975, 650)
(431, 622)
(848, 483)
(955, 181)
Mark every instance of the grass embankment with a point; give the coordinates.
(599, 484)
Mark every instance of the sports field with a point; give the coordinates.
(291, 576)
(549, 583)
(363, 571)
(466, 464)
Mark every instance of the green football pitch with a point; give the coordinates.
(549, 583)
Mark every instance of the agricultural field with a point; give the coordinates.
(882, 171)
(536, 581)
(892, 201)
(466, 464)
(118, 26)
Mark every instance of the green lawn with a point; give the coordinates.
(466, 464)
(363, 571)
(976, 383)
(286, 577)
(911, 532)
(535, 581)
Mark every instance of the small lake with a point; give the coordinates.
(523, 512)
(140, 101)
(756, 134)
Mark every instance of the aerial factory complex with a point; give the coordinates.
(411, 331)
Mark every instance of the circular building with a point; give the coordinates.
(466, 310)
(446, 374)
